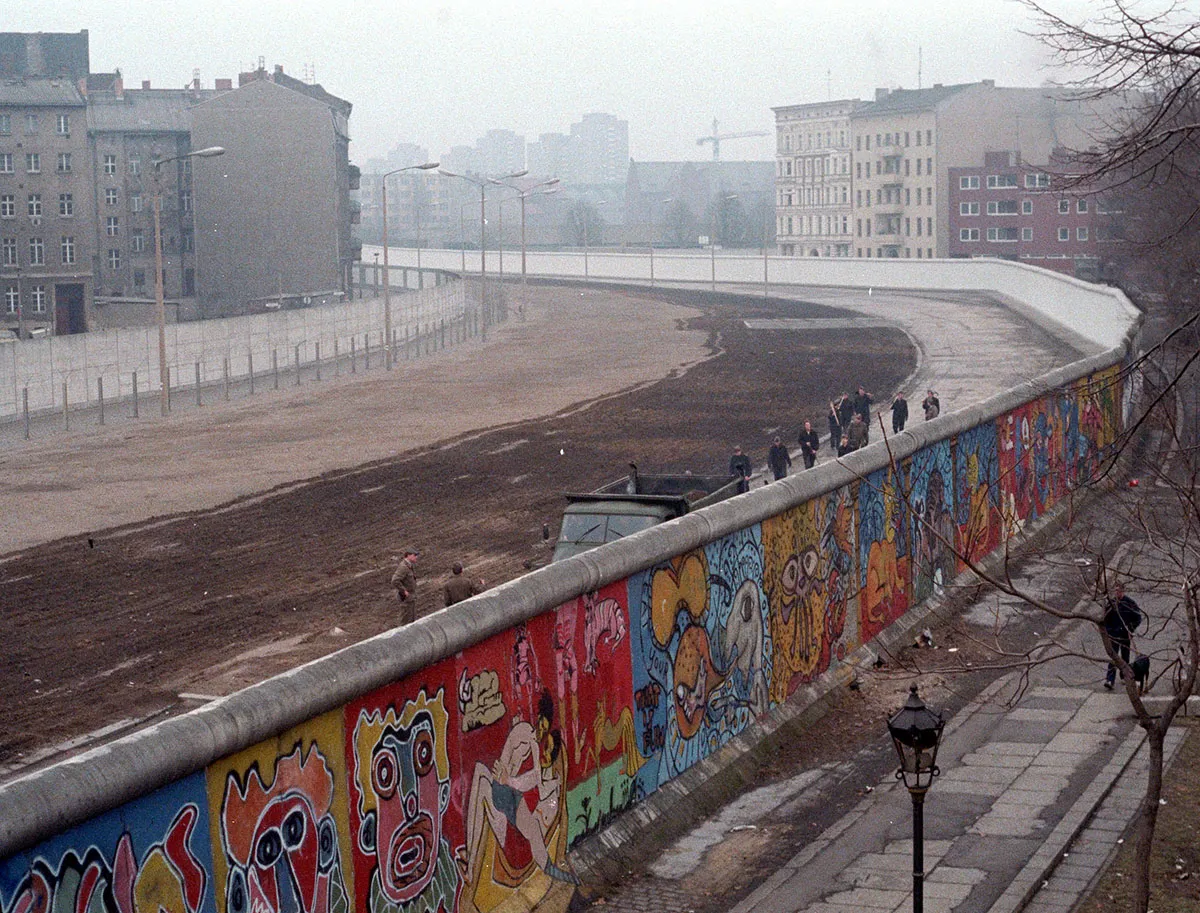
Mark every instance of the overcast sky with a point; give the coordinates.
(442, 73)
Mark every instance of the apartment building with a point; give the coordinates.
(46, 210)
(1013, 210)
(813, 179)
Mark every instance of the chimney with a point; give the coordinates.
(145, 84)
(224, 85)
(881, 94)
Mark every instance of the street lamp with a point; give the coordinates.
(712, 240)
(210, 152)
(916, 732)
(543, 188)
(660, 203)
(387, 276)
(482, 184)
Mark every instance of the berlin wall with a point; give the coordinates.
(452, 764)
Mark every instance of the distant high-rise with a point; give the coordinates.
(601, 149)
(500, 152)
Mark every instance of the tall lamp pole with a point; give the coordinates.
(916, 732)
(652, 225)
(584, 214)
(541, 188)
(482, 184)
(712, 241)
(159, 294)
(387, 276)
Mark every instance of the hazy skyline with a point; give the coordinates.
(443, 74)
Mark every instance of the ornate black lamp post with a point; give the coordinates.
(916, 732)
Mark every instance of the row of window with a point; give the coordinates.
(66, 248)
(891, 139)
(894, 252)
(1010, 233)
(891, 226)
(62, 124)
(33, 163)
(1036, 181)
(12, 299)
(815, 196)
(886, 196)
(890, 164)
(824, 141)
(817, 226)
(1009, 207)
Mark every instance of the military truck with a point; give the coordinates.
(633, 503)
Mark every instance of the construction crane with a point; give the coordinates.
(716, 137)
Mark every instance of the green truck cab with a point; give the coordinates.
(633, 503)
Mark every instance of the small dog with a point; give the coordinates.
(1141, 673)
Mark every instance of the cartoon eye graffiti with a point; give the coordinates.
(423, 753)
(791, 574)
(383, 774)
(366, 833)
(269, 849)
(237, 893)
(293, 830)
(747, 606)
(326, 845)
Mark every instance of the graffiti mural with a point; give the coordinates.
(124, 862)
(1099, 400)
(696, 684)
(883, 552)
(977, 497)
(398, 743)
(932, 531)
(275, 818)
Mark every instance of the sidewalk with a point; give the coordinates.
(1028, 809)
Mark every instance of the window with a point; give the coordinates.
(35, 204)
(114, 258)
(1001, 180)
(135, 166)
(1002, 208)
(37, 252)
(39, 299)
(137, 240)
(112, 226)
(8, 206)
(928, 137)
(968, 182)
(12, 299)
(968, 234)
(1027, 207)
(63, 124)
(5, 124)
(139, 277)
(64, 162)
(1064, 207)
(110, 165)
(1064, 234)
(66, 205)
(33, 162)
(31, 123)
(1081, 233)
(66, 249)
(929, 166)
(929, 228)
(9, 247)
(1037, 180)
(6, 163)
(1026, 234)
(968, 209)
(110, 196)
(185, 201)
(1081, 206)
(918, 167)
(1002, 234)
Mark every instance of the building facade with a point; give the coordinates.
(812, 179)
(46, 198)
(1013, 210)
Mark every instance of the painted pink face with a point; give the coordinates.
(285, 870)
(404, 778)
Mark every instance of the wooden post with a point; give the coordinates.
(25, 409)
(353, 355)
(135, 395)
(250, 369)
(199, 394)
(297, 365)
(66, 411)
(225, 376)
(275, 366)
(318, 350)
(100, 396)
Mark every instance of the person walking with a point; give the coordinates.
(810, 443)
(862, 405)
(932, 406)
(845, 410)
(858, 435)
(835, 427)
(739, 465)
(778, 459)
(405, 582)
(844, 446)
(1122, 617)
(459, 587)
(899, 412)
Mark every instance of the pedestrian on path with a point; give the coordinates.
(778, 459)
(739, 465)
(862, 404)
(835, 427)
(859, 434)
(899, 412)
(1122, 617)
(405, 582)
(810, 443)
(932, 406)
(459, 587)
